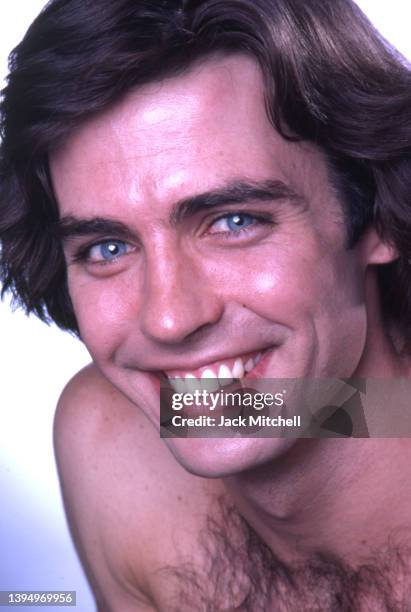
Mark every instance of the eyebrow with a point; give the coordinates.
(235, 193)
(70, 227)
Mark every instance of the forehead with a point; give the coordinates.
(178, 137)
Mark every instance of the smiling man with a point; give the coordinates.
(218, 190)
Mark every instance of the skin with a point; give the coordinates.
(178, 294)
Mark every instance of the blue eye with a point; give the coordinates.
(234, 222)
(107, 251)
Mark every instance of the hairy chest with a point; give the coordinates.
(230, 569)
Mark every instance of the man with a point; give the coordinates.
(220, 189)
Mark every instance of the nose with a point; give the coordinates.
(178, 299)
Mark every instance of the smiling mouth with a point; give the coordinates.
(216, 375)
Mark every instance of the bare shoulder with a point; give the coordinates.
(126, 497)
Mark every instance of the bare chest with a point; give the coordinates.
(228, 568)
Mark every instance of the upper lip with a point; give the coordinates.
(196, 363)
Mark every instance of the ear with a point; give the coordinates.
(374, 251)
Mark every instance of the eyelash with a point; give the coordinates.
(83, 253)
(232, 235)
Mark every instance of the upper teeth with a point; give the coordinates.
(213, 377)
(225, 376)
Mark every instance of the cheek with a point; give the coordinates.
(317, 288)
(283, 296)
(275, 282)
(323, 306)
(103, 310)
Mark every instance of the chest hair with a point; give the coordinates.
(238, 572)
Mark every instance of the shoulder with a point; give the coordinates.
(97, 428)
(88, 408)
(86, 411)
(123, 491)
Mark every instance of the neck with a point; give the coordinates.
(342, 497)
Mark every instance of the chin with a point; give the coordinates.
(224, 457)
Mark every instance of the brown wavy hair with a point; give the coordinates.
(329, 79)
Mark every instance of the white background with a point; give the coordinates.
(35, 362)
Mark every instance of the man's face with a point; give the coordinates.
(231, 244)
